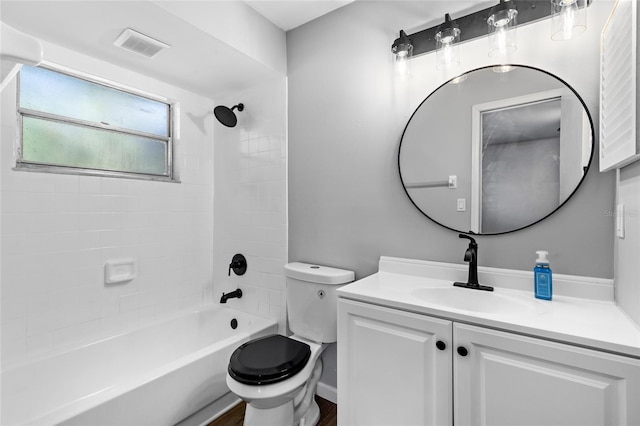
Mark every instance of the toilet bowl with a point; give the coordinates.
(276, 375)
(278, 399)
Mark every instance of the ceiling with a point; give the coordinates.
(290, 14)
(197, 61)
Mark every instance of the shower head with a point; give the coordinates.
(226, 116)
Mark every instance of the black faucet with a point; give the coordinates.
(234, 294)
(471, 256)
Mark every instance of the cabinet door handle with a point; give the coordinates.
(462, 351)
(441, 345)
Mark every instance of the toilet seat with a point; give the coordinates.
(267, 360)
(271, 395)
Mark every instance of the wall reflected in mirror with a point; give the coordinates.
(519, 144)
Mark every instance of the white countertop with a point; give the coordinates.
(594, 322)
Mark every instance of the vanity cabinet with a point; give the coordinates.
(403, 368)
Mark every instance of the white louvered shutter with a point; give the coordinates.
(618, 64)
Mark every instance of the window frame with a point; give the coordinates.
(26, 165)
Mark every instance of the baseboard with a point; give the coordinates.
(330, 393)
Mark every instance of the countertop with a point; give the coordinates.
(594, 321)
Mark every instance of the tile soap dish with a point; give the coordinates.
(119, 271)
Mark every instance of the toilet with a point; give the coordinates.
(277, 375)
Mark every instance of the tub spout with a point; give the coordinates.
(226, 296)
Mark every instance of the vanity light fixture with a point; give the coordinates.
(447, 41)
(568, 15)
(569, 18)
(502, 29)
(402, 50)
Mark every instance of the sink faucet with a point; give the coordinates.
(471, 256)
(226, 296)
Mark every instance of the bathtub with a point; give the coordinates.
(153, 375)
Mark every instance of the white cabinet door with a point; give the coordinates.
(390, 369)
(507, 379)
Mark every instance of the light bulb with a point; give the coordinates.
(402, 50)
(502, 30)
(569, 18)
(447, 40)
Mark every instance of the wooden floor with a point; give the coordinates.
(235, 416)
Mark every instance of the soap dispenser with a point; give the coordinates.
(542, 276)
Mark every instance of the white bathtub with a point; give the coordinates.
(154, 375)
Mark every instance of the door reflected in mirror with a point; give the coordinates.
(518, 143)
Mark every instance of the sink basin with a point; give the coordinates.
(473, 300)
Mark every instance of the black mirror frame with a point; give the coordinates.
(586, 169)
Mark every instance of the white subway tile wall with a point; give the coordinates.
(250, 209)
(58, 231)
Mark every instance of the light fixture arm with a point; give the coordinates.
(504, 5)
(448, 23)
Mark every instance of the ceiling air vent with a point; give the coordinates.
(139, 43)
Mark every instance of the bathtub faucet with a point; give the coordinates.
(238, 265)
(226, 296)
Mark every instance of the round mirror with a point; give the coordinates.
(496, 149)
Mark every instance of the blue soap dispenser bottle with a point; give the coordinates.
(542, 276)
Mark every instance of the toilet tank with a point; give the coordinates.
(312, 300)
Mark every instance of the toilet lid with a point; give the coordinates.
(268, 359)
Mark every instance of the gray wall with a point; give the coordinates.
(346, 116)
(628, 248)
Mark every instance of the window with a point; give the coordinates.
(73, 125)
